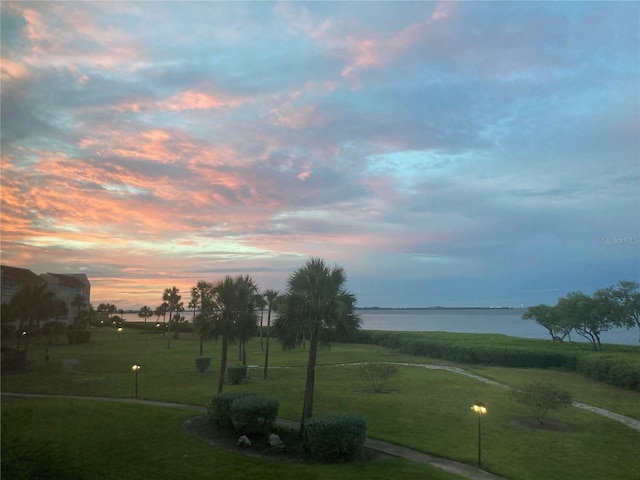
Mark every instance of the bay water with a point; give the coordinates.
(506, 321)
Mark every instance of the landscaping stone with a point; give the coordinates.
(244, 442)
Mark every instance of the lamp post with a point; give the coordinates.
(135, 368)
(480, 409)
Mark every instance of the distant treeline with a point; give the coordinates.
(436, 308)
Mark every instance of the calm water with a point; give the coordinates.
(504, 321)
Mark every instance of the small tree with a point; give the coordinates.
(377, 374)
(541, 398)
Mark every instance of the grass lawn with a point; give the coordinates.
(424, 409)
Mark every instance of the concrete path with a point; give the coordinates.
(461, 469)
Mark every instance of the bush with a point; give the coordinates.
(202, 363)
(13, 361)
(541, 398)
(53, 328)
(236, 373)
(219, 409)
(336, 436)
(78, 336)
(254, 414)
(377, 374)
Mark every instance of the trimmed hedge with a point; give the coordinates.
(618, 369)
(202, 363)
(254, 414)
(236, 373)
(219, 409)
(335, 437)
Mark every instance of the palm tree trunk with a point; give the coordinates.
(307, 408)
(261, 318)
(266, 350)
(223, 361)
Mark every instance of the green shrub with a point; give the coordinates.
(541, 398)
(219, 409)
(626, 374)
(254, 414)
(236, 373)
(202, 363)
(53, 328)
(335, 437)
(377, 374)
(13, 361)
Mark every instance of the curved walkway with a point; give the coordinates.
(461, 469)
(628, 421)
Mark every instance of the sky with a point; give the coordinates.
(442, 153)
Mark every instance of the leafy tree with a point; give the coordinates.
(105, 311)
(541, 398)
(272, 297)
(547, 316)
(627, 298)
(145, 312)
(32, 303)
(171, 297)
(316, 305)
(588, 316)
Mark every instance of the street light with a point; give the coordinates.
(480, 409)
(135, 368)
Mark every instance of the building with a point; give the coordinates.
(13, 278)
(65, 286)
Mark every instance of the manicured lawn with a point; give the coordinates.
(114, 442)
(424, 409)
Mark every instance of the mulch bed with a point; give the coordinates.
(203, 428)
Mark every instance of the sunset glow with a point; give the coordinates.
(443, 153)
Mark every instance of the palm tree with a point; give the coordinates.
(247, 319)
(78, 303)
(171, 297)
(260, 304)
(271, 298)
(145, 312)
(203, 323)
(234, 302)
(316, 305)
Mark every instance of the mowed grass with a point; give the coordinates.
(421, 408)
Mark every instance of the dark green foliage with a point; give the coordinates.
(13, 361)
(78, 336)
(53, 328)
(219, 409)
(202, 363)
(377, 374)
(335, 437)
(541, 398)
(236, 373)
(617, 371)
(34, 459)
(254, 414)
(508, 352)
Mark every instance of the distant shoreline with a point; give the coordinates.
(440, 308)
